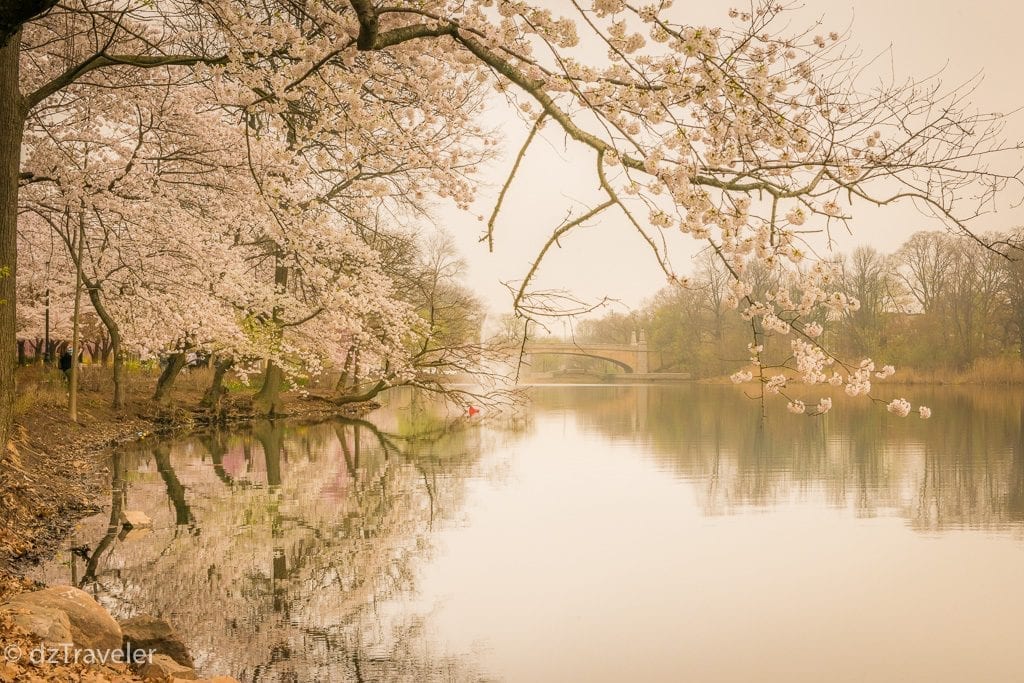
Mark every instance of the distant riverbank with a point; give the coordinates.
(985, 372)
(609, 378)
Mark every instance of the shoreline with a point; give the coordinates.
(58, 473)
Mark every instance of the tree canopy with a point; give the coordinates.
(230, 175)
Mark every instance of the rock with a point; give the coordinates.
(162, 668)
(149, 633)
(92, 627)
(52, 626)
(135, 519)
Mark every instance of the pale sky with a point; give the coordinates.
(609, 258)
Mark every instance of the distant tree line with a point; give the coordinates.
(940, 302)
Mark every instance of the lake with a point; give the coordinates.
(605, 533)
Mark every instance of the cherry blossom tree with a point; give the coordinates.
(745, 136)
(298, 277)
(445, 338)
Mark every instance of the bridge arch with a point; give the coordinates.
(581, 354)
(630, 357)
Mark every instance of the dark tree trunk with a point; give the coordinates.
(115, 342)
(12, 124)
(268, 400)
(14, 13)
(372, 392)
(22, 356)
(212, 398)
(117, 401)
(165, 383)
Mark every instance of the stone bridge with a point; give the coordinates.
(631, 357)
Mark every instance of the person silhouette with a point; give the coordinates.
(65, 364)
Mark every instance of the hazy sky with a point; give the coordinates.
(609, 258)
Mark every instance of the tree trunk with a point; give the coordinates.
(175, 363)
(367, 395)
(12, 124)
(14, 13)
(214, 394)
(268, 400)
(117, 401)
(115, 341)
(342, 382)
(75, 341)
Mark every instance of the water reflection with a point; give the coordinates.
(965, 467)
(282, 552)
(616, 533)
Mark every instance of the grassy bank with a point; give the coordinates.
(989, 371)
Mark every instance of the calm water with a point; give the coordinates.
(610, 533)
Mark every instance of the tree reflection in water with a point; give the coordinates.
(963, 468)
(284, 551)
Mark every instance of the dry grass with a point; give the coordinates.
(991, 371)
